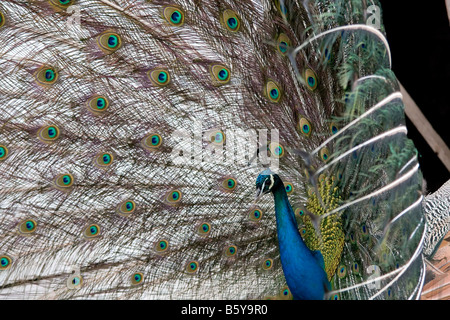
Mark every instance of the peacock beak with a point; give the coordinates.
(259, 193)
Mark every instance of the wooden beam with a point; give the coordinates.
(424, 127)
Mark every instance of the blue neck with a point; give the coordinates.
(305, 277)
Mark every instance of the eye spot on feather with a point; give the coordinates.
(355, 268)
(74, 282)
(126, 208)
(2, 19)
(204, 229)
(5, 262)
(389, 294)
(159, 77)
(302, 232)
(283, 43)
(60, 5)
(46, 76)
(342, 271)
(104, 160)
(220, 74)
(229, 184)
(299, 212)
(311, 79)
(275, 150)
(364, 232)
(64, 181)
(91, 231)
(289, 188)
(97, 104)
(324, 154)
(335, 297)
(27, 226)
(272, 91)
(192, 267)
(152, 141)
(162, 246)
(267, 264)
(136, 278)
(3, 152)
(231, 251)
(230, 20)
(304, 127)
(109, 42)
(286, 294)
(48, 134)
(333, 128)
(174, 16)
(255, 214)
(216, 137)
(173, 197)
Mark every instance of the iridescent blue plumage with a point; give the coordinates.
(303, 268)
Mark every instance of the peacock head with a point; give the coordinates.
(266, 181)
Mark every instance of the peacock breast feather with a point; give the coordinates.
(331, 240)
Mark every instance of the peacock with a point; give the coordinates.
(135, 134)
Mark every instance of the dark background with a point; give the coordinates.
(419, 38)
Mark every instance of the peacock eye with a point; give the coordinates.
(216, 137)
(286, 294)
(48, 133)
(152, 141)
(3, 152)
(5, 262)
(174, 16)
(333, 128)
(267, 264)
(64, 180)
(364, 232)
(109, 42)
(299, 212)
(104, 159)
(276, 150)
(2, 19)
(289, 188)
(283, 43)
(355, 268)
(61, 4)
(91, 231)
(324, 154)
(98, 104)
(220, 74)
(159, 77)
(126, 208)
(204, 229)
(161, 246)
(229, 184)
(74, 281)
(173, 197)
(342, 271)
(192, 267)
(231, 20)
(230, 251)
(256, 214)
(304, 127)
(136, 278)
(27, 226)
(46, 75)
(272, 91)
(311, 79)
